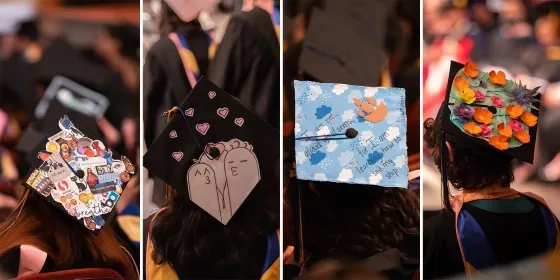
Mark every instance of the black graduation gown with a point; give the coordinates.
(18, 90)
(165, 81)
(247, 64)
(512, 237)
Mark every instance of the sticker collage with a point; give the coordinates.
(80, 176)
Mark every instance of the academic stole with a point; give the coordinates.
(187, 56)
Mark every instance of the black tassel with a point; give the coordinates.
(444, 184)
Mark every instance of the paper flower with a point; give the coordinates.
(497, 101)
(467, 95)
(499, 142)
(522, 136)
(486, 131)
(463, 112)
(529, 119)
(483, 84)
(471, 69)
(460, 83)
(504, 130)
(498, 78)
(522, 95)
(480, 97)
(482, 115)
(472, 128)
(515, 125)
(514, 111)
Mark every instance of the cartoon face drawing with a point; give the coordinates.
(204, 191)
(242, 173)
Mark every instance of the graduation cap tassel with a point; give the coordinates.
(445, 186)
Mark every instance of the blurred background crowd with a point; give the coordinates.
(519, 37)
(93, 43)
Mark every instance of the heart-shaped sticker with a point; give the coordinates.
(173, 134)
(239, 121)
(221, 147)
(177, 156)
(203, 128)
(189, 112)
(223, 112)
(211, 94)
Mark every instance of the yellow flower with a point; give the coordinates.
(482, 115)
(514, 111)
(499, 142)
(529, 119)
(504, 130)
(467, 95)
(472, 128)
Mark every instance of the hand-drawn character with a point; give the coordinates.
(201, 182)
(371, 111)
(242, 172)
(81, 186)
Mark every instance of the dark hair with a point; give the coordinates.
(199, 246)
(471, 167)
(29, 30)
(171, 22)
(128, 37)
(358, 221)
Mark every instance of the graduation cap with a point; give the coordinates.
(188, 10)
(351, 134)
(63, 96)
(214, 150)
(345, 42)
(488, 114)
(79, 175)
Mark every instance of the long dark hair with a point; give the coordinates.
(171, 22)
(68, 244)
(358, 221)
(197, 245)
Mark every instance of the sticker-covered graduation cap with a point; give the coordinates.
(214, 150)
(488, 112)
(80, 175)
(351, 134)
(353, 49)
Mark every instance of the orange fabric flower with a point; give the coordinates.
(482, 115)
(499, 142)
(499, 78)
(523, 136)
(471, 69)
(472, 128)
(461, 83)
(529, 119)
(504, 130)
(514, 111)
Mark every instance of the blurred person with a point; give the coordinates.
(477, 228)
(247, 61)
(214, 226)
(8, 201)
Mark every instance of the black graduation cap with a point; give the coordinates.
(345, 42)
(214, 150)
(78, 174)
(488, 114)
(31, 142)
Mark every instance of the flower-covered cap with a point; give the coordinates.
(488, 109)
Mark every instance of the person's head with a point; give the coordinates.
(547, 29)
(35, 222)
(121, 40)
(196, 243)
(469, 166)
(26, 34)
(357, 221)
(513, 11)
(171, 22)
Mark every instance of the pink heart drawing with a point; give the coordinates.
(202, 128)
(223, 112)
(220, 147)
(177, 156)
(211, 94)
(239, 121)
(173, 134)
(189, 112)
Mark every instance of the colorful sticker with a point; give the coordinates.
(40, 183)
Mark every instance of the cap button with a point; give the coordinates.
(80, 173)
(351, 133)
(214, 152)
